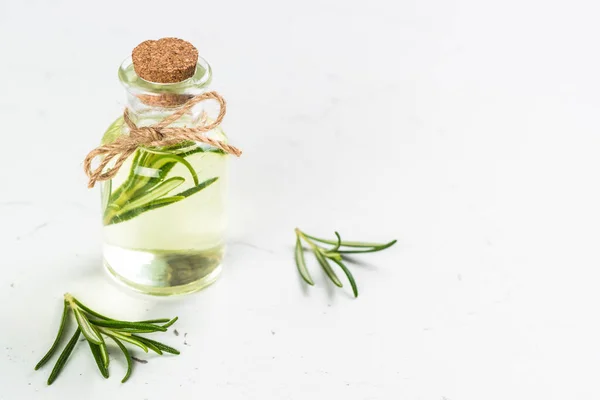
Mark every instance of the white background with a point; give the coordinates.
(467, 130)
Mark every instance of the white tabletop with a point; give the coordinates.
(467, 130)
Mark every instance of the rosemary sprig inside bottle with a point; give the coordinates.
(95, 327)
(335, 254)
(149, 185)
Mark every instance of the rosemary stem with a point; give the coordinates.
(93, 325)
(312, 244)
(334, 254)
(69, 299)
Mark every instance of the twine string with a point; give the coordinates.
(158, 135)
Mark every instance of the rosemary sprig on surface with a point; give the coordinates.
(335, 254)
(94, 326)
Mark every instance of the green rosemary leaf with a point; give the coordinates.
(126, 338)
(85, 308)
(121, 332)
(159, 345)
(146, 183)
(150, 345)
(352, 244)
(162, 202)
(370, 250)
(180, 146)
(187, 148)
(59, 335)
(153, 321)
(64, 356)
(193, 150)
(133, 182)
(104, 354)
(125, 216)
(199, 149)
(135, 342)
(182, 149)
(301, 263)
(165, 155)
(197, 188)
(157, 192)
(127, 358)
(171, 322)
(97, 353)
(328, 270)
(88, 330)
(133, 325)
(147, 201)
(129, 331)
(163, 151)
(338, 244)
(165, 201)
(332, 255)
(162, 165)
(348, 275)
(115, 196)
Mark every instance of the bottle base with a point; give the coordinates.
(163, 273)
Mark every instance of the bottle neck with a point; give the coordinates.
(149, 110)
(150, 102)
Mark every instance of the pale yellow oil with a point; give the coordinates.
(178, 248)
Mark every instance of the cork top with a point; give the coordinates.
(167, 60)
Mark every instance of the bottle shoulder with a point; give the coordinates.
(113, 132)
(117, 128)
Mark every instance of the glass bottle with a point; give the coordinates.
(164, 212)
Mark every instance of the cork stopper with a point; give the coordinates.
(167, 60)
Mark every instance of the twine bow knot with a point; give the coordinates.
(147, 133)
(158, 135)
